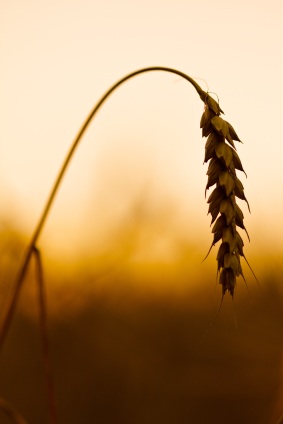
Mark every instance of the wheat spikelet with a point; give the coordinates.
(226, 215)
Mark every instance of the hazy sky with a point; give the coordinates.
(58, 58)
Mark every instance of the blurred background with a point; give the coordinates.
(128, 295)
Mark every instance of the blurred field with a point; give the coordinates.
(126, 343)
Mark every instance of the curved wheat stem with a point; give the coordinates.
(211, 118)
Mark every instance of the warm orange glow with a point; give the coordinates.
(129, 228)
(57, 62)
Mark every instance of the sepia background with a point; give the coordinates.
(129, 298)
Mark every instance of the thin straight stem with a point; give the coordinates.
(11, 412)
(44, 339)
(8, 315)
(280, 421)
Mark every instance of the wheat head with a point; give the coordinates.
(226, 214)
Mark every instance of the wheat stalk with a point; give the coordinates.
(223, 162)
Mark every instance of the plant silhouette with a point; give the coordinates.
(227, 217)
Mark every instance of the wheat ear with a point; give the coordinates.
(226, 215)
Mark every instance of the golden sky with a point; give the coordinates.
(145, 146)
